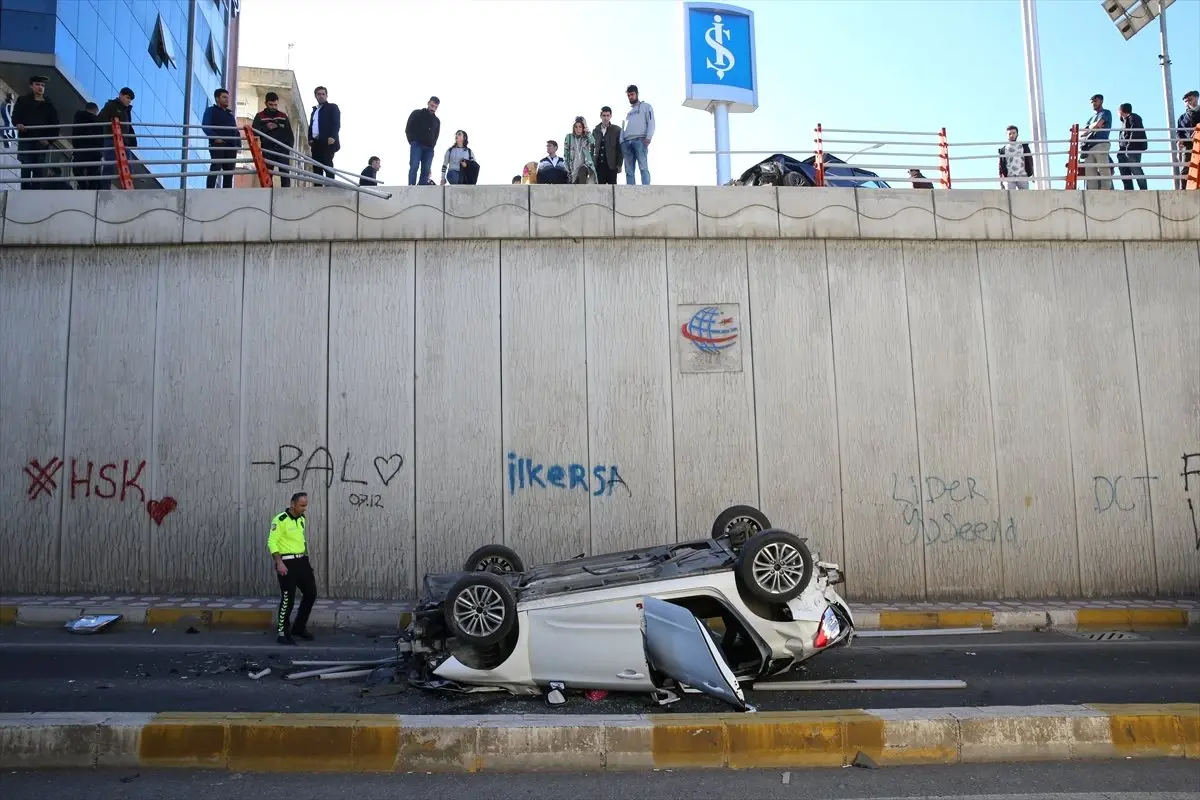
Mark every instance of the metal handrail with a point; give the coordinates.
(279, 159)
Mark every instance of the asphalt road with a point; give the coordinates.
(1110, 780)
(48, 669)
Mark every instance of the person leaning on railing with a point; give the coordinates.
(119, 108)
(36, 112)
(276, 137)
(1186, 132)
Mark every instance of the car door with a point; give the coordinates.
(678, 645)
(590, 645)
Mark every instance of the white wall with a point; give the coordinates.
(948, 418)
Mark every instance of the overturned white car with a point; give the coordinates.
(633, 621)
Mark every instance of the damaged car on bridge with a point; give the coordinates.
(710, 616)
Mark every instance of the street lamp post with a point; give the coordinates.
(860, 152)
(1130, 16)
(1037, 106)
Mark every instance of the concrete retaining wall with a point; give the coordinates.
(956, 395)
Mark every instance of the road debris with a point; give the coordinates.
(256, 675)
(93, 623)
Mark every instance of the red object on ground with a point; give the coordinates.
(595, 695)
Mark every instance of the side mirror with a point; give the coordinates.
(555, 696)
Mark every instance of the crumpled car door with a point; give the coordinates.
(678, 645)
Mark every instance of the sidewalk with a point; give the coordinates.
(388, 617)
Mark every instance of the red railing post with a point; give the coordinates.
(1073, 158)
(260, 163)
(944, 158)
(1193, 168)
(124, 176)
(820, 157)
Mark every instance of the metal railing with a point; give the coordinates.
(937, 158)
(104, 153)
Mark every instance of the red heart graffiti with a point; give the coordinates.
(159, 509)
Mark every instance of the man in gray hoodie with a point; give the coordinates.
(635, 138)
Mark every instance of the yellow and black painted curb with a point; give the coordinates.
(1069, 618)
(460, 744)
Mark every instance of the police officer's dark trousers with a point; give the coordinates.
(299, 576)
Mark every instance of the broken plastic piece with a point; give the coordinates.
(256, 675)
(91, 624)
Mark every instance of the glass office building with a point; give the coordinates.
(172, 53)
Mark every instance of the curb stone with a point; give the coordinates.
(528, 743)
(386, 622)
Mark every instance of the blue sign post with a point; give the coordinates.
(720, 68)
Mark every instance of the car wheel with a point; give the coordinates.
(494, 558)
(775, 566)
(796, 179)
(739, 523)
(480, 609)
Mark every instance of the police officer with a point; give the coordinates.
(287, 545)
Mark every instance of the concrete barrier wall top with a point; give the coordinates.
(214, 216)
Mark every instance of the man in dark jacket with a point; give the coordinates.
(370, 173)
(608, 155)
(119, 108)
(274, 123)
(87, 146)
(422, 132)
(1131, 143)
(324, 133)
(37, 112)
(1185, 134)
(220, 126)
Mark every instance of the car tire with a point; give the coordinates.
(739, 523)
(796, 179)
(480, 609)
(774, 566)
(495, 558)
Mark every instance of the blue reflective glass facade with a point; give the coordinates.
(102, 45)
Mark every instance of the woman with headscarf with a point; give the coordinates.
(457, 157)
(577, 153)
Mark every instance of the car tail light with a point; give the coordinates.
(829, 630)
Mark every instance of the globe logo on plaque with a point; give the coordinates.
(709, 331)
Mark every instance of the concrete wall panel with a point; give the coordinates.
(110, 411)
(799, 475)
(543, 347)
(716, 458)
(285, 377)
(1164, 286)
(372, 330)
(461, 464)
(1116, 540)
(196, 476)
(963, 525)
(881, 510)
(629, 394)
(1033, 443)
(35, 309)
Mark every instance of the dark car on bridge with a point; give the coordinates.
(783, 170)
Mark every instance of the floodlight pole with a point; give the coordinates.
(1168, 92)
(1037, 107)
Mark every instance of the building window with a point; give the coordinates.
(162, 50)
(210, 52)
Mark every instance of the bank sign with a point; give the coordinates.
(719, 56)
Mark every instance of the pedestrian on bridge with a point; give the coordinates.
(290, 551)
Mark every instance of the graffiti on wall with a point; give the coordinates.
(938, 510)
(1188, 473)
(91, 479)
(528, 473)
(1121, 492)
(289, 468)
